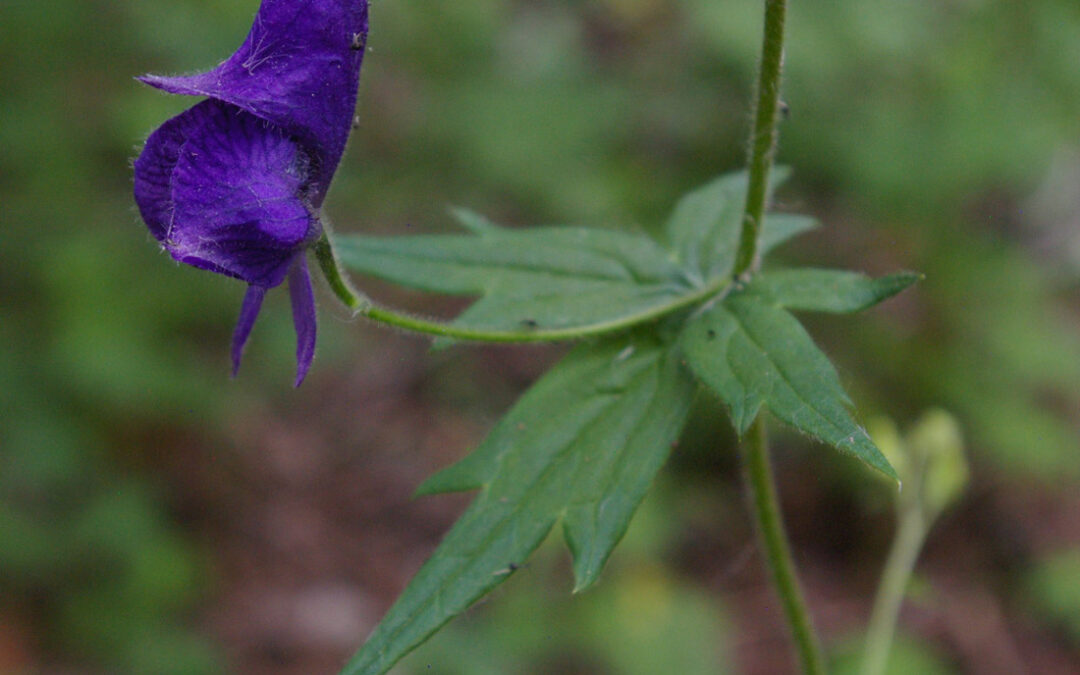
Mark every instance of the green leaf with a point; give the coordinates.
(779, 227)
(835, 291)
(582, 446)
(572, 281)
(543, 278)
(584, 304)
(703, 229)
(753, 353)
(493, 259)
(473, 221)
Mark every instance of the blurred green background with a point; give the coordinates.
(158, 517)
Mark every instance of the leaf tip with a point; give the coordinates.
(867, 451)
(894, 284)
(882, 466)
(895, 478)
(742, 416)
(444, 482)
(585, 576)
(471, 220)
(426, 489)
(907, 278)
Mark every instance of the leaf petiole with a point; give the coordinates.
(364, 306)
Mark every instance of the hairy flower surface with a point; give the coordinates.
(235, 184)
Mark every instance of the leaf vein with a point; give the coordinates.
(781, 371)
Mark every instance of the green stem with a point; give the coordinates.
(757, 468)
(770, 527)
(763, 137)
(339, 283)
(910, 534)
(366, 307)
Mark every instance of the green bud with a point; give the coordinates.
(936, 439)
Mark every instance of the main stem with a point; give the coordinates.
(763, 137)
(756, 464)
(770, 525)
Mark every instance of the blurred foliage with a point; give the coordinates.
(924, 133)
(907, 656)
(1054, 592)
(929, 460)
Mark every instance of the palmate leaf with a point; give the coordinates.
(581, 446)
(540, 278)
(562, 278)
(753, 353)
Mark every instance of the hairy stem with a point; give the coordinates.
(756, 463)
(770, 527)
(339, 283)
(762, 137)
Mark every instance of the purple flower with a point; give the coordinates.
(234, 184)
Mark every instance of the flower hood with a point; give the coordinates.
(235, 184)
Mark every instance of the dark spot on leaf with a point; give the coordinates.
(509, 569)
(711, 334)
(530, 323)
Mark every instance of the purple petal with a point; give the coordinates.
(153, 173)
(298, 69)
(237, 203)
(248, 313)
(304, 320)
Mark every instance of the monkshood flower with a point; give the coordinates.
(235, 184)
